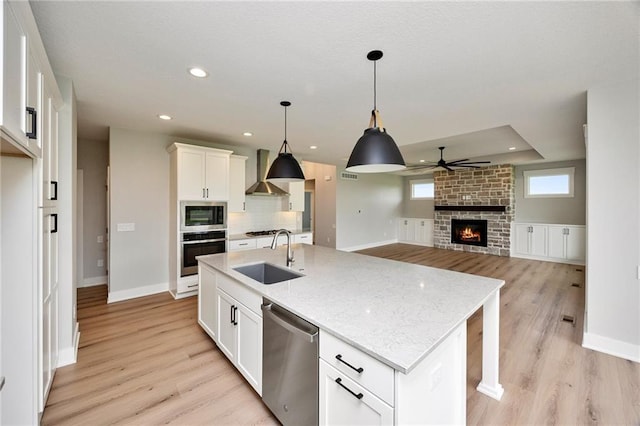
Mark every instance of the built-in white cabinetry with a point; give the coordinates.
(531, 239)
(207, 300)
(265, 242)
(247, 244)
(552, 242)
(20, 85)
(295, 201)
(202, 173)
(567, 242)
(239, 333)
(415, 231)
(237, 165)
(357, 389)
(30, 264)
(304, 238)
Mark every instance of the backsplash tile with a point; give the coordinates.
(263, 213)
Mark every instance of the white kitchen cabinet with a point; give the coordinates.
(237, 182)
(202, 173)
(207, 300)
(295, 201)
(567, 242)
(246, 244)
(530, 239)
(304, 238)
(265, 242)
(239, 332)
(20, 85)
(49, 137)
(347, 403)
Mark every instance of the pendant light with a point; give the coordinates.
(375, 151)
(285, 168)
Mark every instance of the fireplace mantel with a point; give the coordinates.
(459, 208)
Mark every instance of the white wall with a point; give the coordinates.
(612, 317)
(139, 194)
(67, 209)
(367, 210)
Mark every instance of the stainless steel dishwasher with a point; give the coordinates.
(289, 366)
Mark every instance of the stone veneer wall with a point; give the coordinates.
(488, 186)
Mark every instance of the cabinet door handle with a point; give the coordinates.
(33, 134)
(357, 395)
(244, 207)
(359, 369)
(207, 192)
(231, 312)
(235, 315)
(243, 244)
(54, 184)
(55, 223)
(192, 286)
(290, 206)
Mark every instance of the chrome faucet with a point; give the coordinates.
(274, 244)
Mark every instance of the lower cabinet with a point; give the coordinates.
(207, 303)
(239, 328)
(343, 401)
(551, 242)
(415, 231)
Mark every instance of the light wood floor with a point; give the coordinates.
(146, 361)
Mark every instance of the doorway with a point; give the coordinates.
(308, 222)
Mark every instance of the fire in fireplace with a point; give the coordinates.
(469, 231)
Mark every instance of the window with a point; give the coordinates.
(548, 183)
(422, 189)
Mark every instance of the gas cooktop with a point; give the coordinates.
(260, 233)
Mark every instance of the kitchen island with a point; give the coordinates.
(408, 318)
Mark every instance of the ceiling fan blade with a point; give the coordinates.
(447, 167)
(466, 165)
(470, 162)
(457, 161)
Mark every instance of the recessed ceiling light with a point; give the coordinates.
(512, 148)
(422, 161)
(313, 147)
(247, 134)
(164, 117)
(198, 72)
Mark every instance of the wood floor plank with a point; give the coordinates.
(146, 361)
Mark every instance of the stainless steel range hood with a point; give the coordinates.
(262, 187)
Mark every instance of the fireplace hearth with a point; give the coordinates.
(469, 231)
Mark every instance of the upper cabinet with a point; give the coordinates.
(237, 183)
(20, 86)
(295, 201)
(202, 173)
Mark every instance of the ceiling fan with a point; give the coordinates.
(449, 165)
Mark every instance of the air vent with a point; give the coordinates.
(348, 176)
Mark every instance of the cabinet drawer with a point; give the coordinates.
(343, 401)
(235, 245)
(265, 242)
(186, 284)
(242, 294)
(374, 375)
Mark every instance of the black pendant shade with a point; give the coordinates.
(375, 151)
(285, 168)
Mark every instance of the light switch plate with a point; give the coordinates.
(126, 227)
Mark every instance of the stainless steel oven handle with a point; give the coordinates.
(266, 309)
(202, 241)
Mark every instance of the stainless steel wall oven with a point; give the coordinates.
(194, 244)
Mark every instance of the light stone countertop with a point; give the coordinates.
(397, 312)
(234, 237)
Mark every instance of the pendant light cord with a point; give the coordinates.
(285, 144)
(375, 107)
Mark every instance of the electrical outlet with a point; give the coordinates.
(100, 263)
(100, 239)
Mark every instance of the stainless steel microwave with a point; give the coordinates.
(202, 215)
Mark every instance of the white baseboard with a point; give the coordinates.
(370, 245)
(132, 293)
(611, 346)
(415, 243)
(69, 356)
(93, 281)
(548, 259)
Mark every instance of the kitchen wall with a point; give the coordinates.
(416, 208)
(93, 160)
(570, 211)
(139, 169)
(324, 182)
(367, 210)
(612, 306)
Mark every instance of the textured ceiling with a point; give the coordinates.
(480, 77)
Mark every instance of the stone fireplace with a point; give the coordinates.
(484, 199)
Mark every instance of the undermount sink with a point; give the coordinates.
(267, 273)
